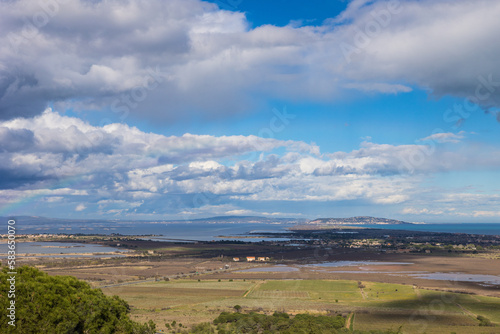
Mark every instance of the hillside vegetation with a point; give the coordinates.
(63, 304)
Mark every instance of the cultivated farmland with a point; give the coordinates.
(372, 305)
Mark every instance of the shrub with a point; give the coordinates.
(278, 323)
(64, 304)
(483, 321)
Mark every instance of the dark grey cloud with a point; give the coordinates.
(183, 172)
(271, 167)
(13, 140)
(446, 47)
(19, 177)
(169, 59)
(93, 53)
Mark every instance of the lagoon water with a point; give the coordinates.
(323, 267)
(336, 264)
(488, 279)
(274, 269)
(184, 231)
(61, 249)
(206, 232)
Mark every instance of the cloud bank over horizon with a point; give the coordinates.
(118, 170)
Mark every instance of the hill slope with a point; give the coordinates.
(361, 220)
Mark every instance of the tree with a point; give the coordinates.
(63, 304)
(256, 323)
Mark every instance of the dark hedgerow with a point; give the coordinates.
(277, 323)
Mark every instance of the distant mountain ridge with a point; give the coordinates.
(360, 220)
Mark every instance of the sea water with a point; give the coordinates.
(469, 228)
(206, 232)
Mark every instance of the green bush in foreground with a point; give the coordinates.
(63, 304)
(280, 323)
(277, 323)
(483, 321)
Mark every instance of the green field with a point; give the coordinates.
(162, 294)
(327, 291)
(376, 306)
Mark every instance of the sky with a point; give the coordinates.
(184, 109)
